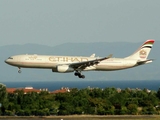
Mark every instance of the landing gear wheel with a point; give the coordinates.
(76, 74)
(19, 71)
(81, 76)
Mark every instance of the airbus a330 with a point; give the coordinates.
(77, 64)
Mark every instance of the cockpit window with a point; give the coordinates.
(10, 58)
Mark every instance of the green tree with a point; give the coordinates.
(132, 109)
(3, 99)
(83, 101)
(66, 109)
(158, 93)
(149, 110)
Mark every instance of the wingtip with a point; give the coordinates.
(110, 55)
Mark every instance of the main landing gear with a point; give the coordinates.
(79, 75)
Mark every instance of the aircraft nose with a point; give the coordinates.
(6, 61)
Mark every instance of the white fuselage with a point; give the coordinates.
(51, 62)
(64, 64)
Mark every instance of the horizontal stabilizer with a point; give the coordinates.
(144, 62)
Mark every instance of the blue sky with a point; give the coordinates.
(54, 22)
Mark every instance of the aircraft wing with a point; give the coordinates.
(83, 65)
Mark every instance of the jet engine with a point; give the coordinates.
(63, 69)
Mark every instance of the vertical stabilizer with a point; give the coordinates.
(143, 52)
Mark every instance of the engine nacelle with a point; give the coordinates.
(63, 69)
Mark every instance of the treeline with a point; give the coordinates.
(108, 101)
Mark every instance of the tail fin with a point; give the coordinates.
(143, 52)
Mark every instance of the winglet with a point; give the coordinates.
(93, 55)
(109, 56)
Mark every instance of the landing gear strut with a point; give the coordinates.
(19, 70)
(79, 75)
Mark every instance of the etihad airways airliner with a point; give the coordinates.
(77, 64)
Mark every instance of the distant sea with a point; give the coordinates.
(80, 84)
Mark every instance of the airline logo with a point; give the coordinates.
(148, 44)
(67, 59)
(142, 54)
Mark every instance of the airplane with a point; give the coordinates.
(77, 64)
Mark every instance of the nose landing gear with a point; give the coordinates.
(19, 70)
